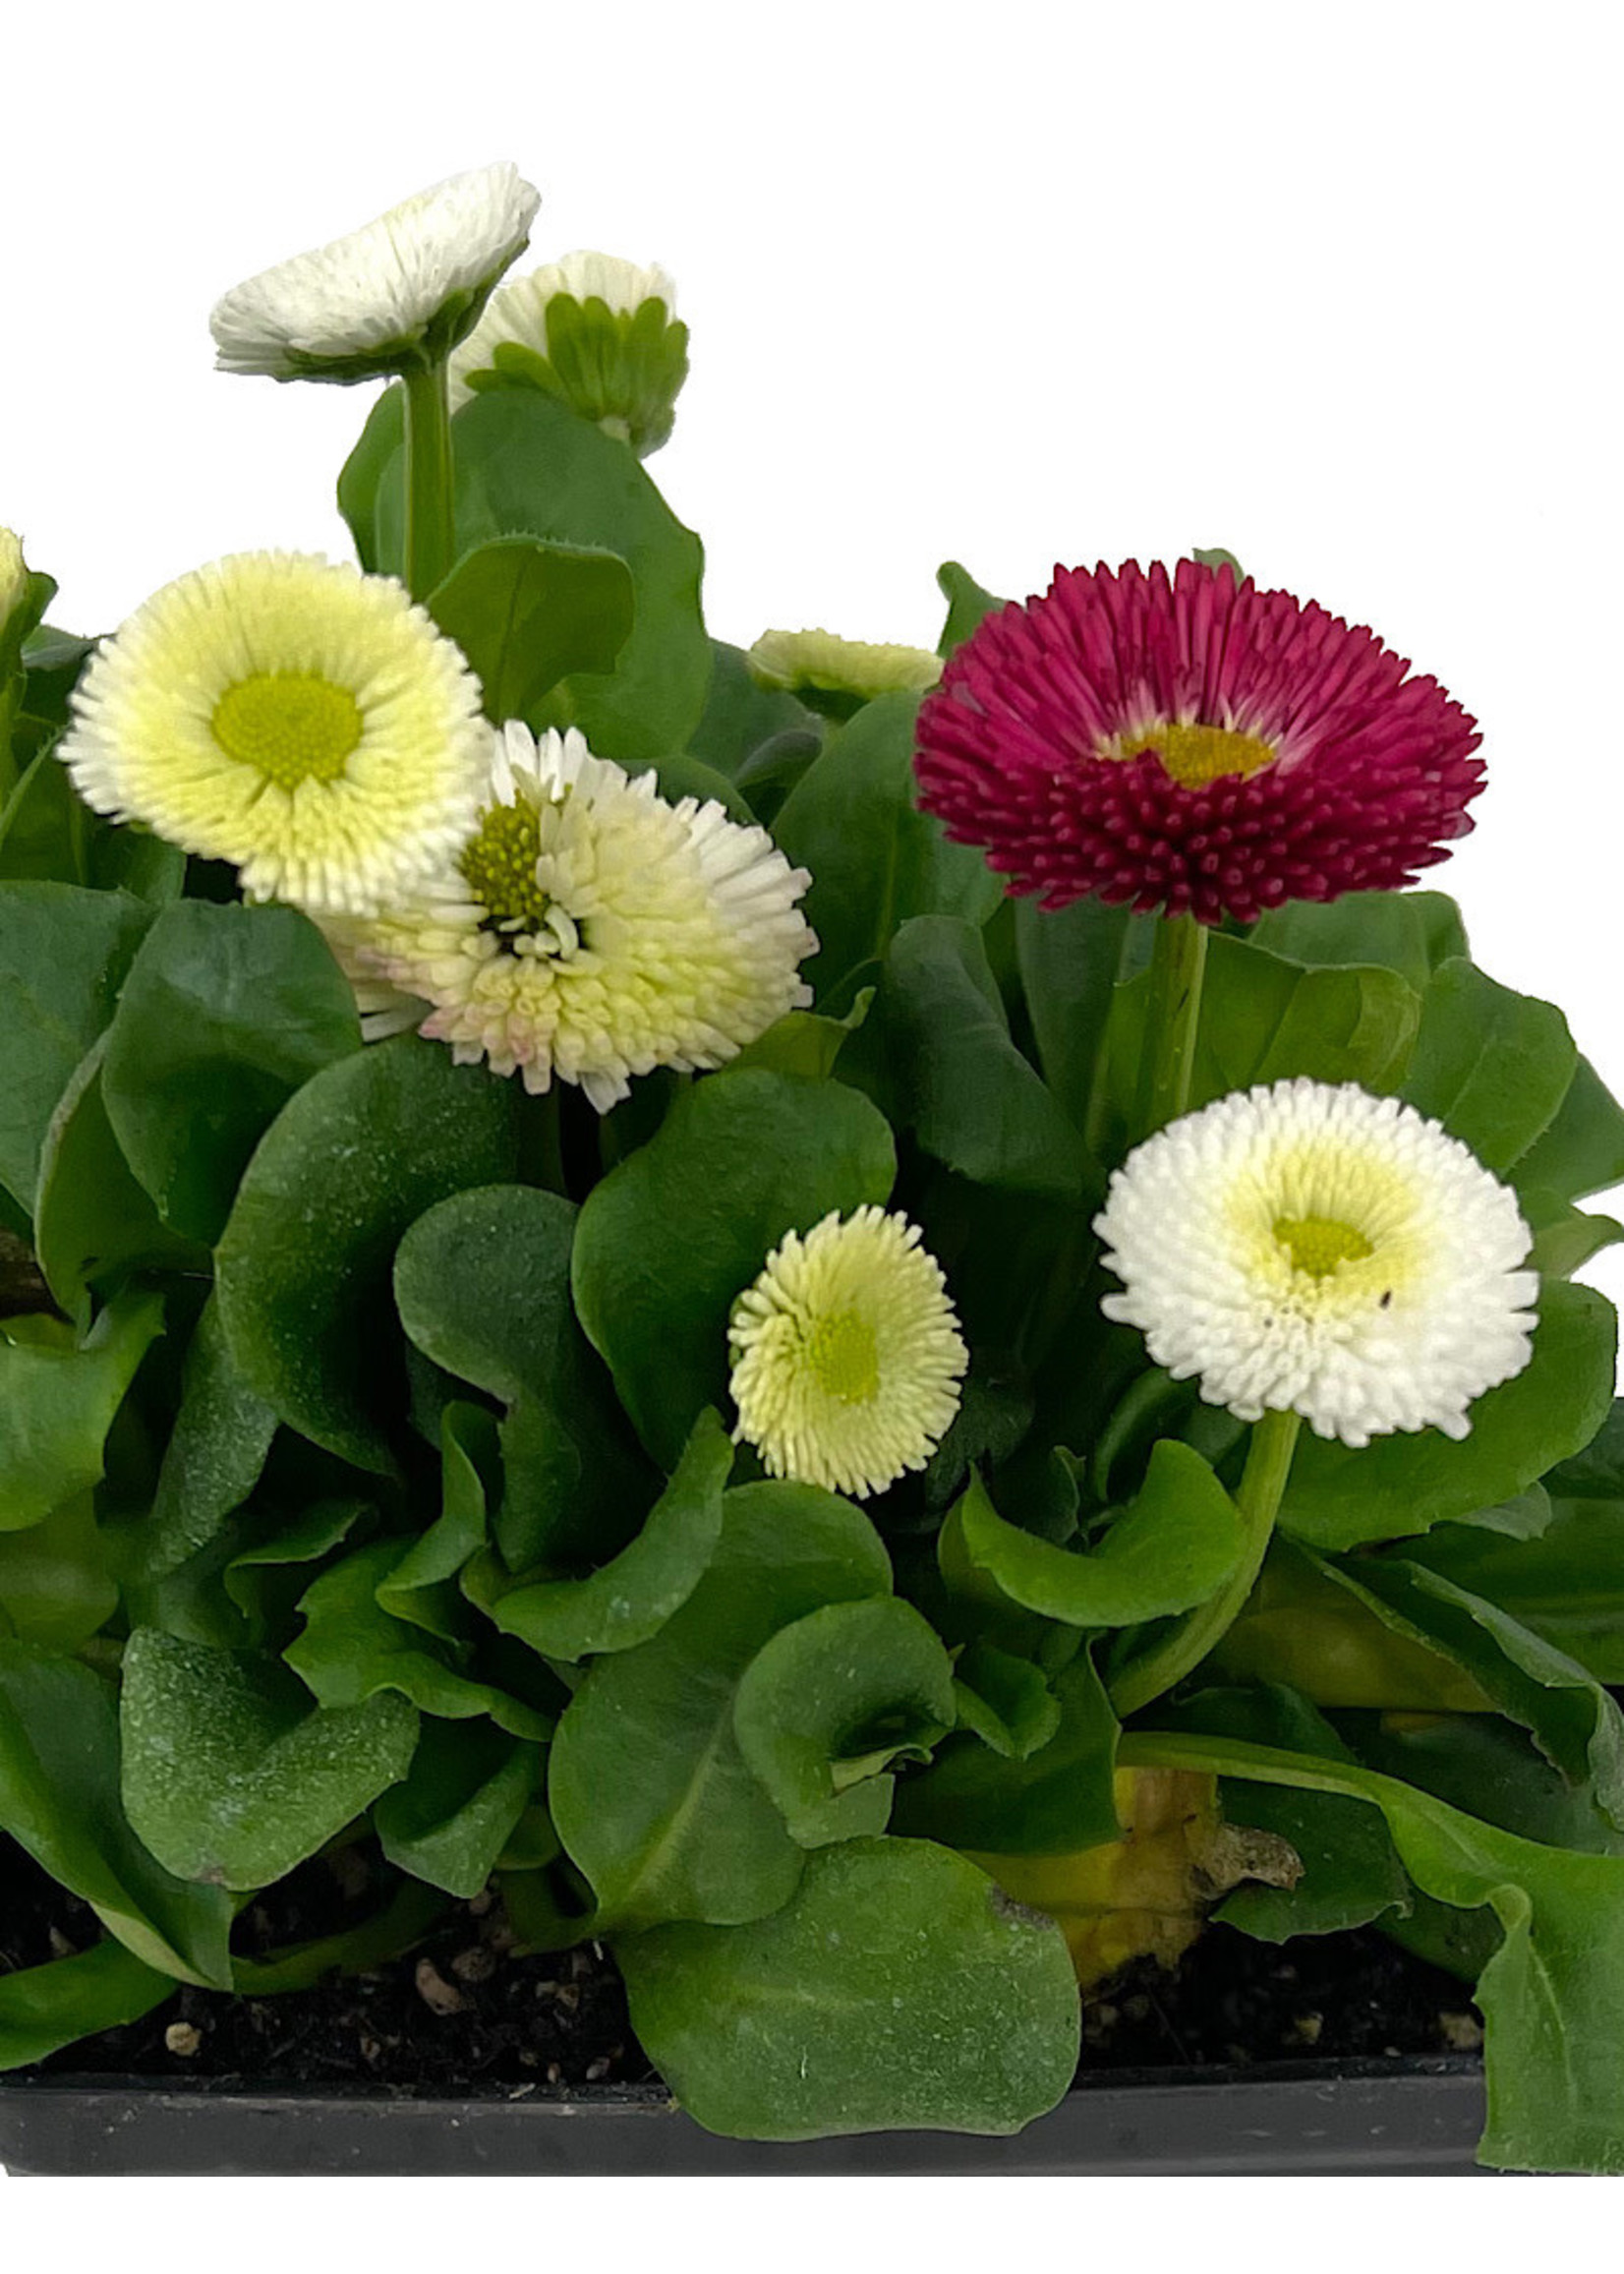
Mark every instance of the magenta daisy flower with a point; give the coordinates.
(1192, 744)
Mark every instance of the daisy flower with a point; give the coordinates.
(293, 716)
(597, 332)
(1195, 745)
(839, 674)
(395, 296)
(847, 1355)
(587, 930)
(1321, 1251)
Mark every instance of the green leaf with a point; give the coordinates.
(44, 2007)
(418, 1589)
(803, 1042)
(897, 1991)
(673, 1236)
(1493, 1067)
(874, 857)
(215, 1454)
(59, 1400)
(1567, 1586)
(1005, 1700)
(226, 1012)
(1263, 1020)
(56, 1579)
(630, 1598)
(741, 717)
(352, 1650)
(238, 1592)
(935, 1054)
(526, 466)
(62, 956)
(44, 829)
(967, 604)
(462, 1797)
(1410, 933)
(482, 1285)
(528, 615)
(650, 1794)
(1406, 1483)
(1553, 1996)
(1583, 1150)
(1565, 1238)
(1055, 1801)
(831, 1702)
(1170, 1549)
(92, 1222)
(1301, 1630)
(1575, 1722)
(302, 1268)
(230, 1776)
(1485, 1765)
(59, 1799)
(1071, 959)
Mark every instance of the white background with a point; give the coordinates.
(1335, 287)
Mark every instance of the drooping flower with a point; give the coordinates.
(1318, 1251)
(838, 675)
(1193, 744)
(847, 1355)
(587, 930)
(597, 332)
(291, 716)
(394, 295)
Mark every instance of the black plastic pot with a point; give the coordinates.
(1407, 2117)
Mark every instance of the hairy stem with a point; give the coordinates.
(428, 539)
(1178, 966)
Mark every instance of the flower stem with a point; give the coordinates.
(428, 539)
(1263, 1486)
(1178, 966)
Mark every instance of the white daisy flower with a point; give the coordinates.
(597, 332)
(819, 664)
(291, 716)
(588, 930)
(1321, 1251)
(847, 1355)
(395, 295)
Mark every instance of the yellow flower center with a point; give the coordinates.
(842, 1353)
(501, 866)
(1196, 755)
(291, 727)
(1319, 1244)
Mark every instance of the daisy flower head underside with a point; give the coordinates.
(587, 930)
(1192, 743)
(1321, 1251)
(516, 313)
(847, 1355)
(395, 294)
(291, 716)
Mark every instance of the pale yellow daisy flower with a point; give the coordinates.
(847, 1355)
(814, 664)
(290, 716)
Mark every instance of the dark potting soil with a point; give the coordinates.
(464, 2011)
